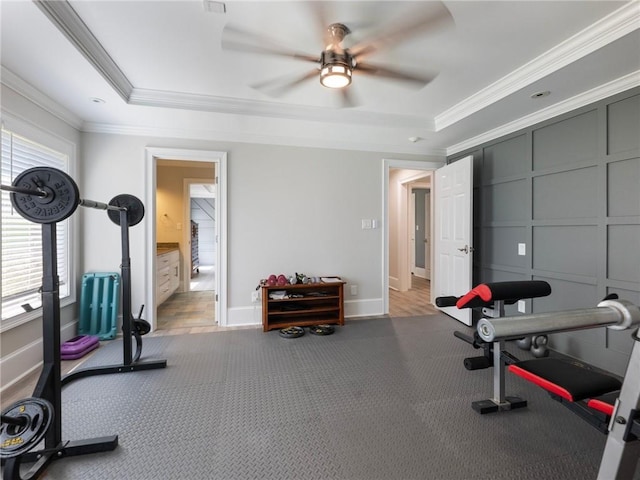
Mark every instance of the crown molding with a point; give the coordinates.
(65, 18)
(586, 98)
(610, 28)
(253, 138)
(21, 87)
(237, 106)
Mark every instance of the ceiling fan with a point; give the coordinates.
(337, 64)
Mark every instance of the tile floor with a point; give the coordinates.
(193, 309)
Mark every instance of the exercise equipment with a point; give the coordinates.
(78, 347)
(322, 329)
(99, 303)
(23, 425)
(622, 449)
(291, 332)
(491, 298)
(46, 195)
(49, 195)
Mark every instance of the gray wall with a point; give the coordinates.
(568, 188)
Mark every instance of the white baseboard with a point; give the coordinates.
(24, 361)
(394, 283)
(363, 308)
(420, 272)
(244, 316)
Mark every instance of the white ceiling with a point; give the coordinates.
(160, 69)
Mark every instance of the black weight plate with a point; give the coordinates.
(15, 440)
(62, 195)
(134, 206)
(321, 329)
(142, 327)
(291, 332)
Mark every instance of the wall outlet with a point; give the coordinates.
(255, 296)
(522, 306)
(522, 249)
(354, 289)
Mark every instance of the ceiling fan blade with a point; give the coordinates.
(278, 86)
(234, 38)
(348, 99)
(320, 16)
(374, 70)
(430, 17)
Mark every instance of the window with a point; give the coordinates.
(21, 259)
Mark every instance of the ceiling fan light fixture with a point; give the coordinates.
(335, 75)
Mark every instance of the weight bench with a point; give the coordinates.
(491, 298)
(587, 393)
(622, 449)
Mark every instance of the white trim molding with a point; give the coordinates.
(368, 307)
(610, 28)
(65, 18)
(601, 92)
(21, 87)
(388, 164)
(152, 155)
(26, 360)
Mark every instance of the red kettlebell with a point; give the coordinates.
(272, 280)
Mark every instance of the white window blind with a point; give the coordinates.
(22, 239)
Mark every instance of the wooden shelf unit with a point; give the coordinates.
(319, 304)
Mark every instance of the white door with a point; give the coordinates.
(453, 197)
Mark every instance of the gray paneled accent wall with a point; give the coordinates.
(569, 189)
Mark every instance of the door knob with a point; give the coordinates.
(466, 249)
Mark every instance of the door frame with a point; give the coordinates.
(152, 155)
(387, 165)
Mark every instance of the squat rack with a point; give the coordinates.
(46, 195)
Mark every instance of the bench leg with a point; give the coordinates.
(500, 402)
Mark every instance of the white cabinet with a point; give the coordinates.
(167, 275)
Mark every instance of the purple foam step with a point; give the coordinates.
(78, 346)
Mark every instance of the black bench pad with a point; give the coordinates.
(568, 380)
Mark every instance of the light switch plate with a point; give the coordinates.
(522, 249)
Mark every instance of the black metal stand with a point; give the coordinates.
(49, 384)
(130, 361)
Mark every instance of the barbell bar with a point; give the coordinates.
(15, 421)
(49, 195)
(614, 314)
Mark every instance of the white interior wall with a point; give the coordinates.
(290, 209)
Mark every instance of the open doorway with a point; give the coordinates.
(408, 225)
(169, 205)
(202, 220)
(184, 197)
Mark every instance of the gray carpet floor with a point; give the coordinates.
(380, 399)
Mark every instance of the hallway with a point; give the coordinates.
(413, 302)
